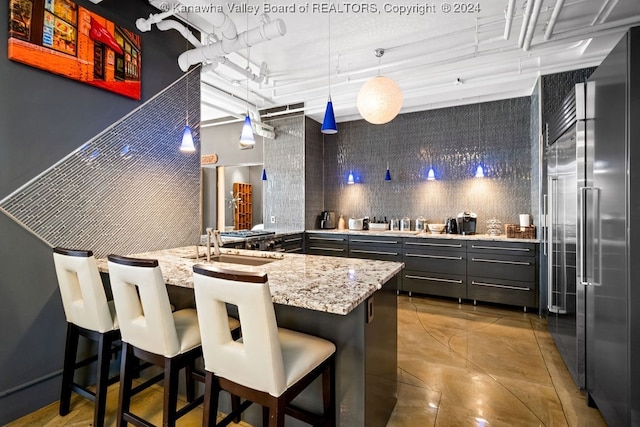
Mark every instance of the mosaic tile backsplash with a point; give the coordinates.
(127, 190)
(453, 141)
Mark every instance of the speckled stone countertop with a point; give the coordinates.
(501, 238)
(329, 284)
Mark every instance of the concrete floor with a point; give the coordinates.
(458, 365)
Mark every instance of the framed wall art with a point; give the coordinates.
(66, 39)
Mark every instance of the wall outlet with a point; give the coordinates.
(273, 219)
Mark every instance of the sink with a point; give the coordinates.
(241, 259)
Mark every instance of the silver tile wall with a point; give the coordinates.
(127, 190)
(284, 190)
(452, 141)
(314, 168)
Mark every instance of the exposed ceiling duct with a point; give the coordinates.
(207, 53)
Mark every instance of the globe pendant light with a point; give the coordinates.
(329, 125)
(380, 98)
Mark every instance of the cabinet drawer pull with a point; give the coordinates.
(327, 249)
(293, 250)
(502, 248)
(455, 258)
(386, 242)
(495, 285)
(328, 239)
(497, 261)
(295, 239)
(358, 251)
(442, 245)
(434, 279)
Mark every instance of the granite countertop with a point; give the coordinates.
(501, 238)
(329, 284)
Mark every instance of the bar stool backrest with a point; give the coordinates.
(142, 304)
(255, 361)
(83, 296)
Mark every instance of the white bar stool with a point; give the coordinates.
(269, 365)
(151, 332)
(90, 315)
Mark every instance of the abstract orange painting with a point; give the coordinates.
(66, 39)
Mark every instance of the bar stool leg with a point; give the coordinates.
(68, 370)
(127, 367)
(102, 380)
(171, 376)
(211, 396)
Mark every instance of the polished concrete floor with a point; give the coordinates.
(458, 365)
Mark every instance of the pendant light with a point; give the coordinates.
(350, 179)
(264, 171)
(431, 175)
(246, 137)
(329, 125)
(479, 169)
(380, 98)
(387, 175)
(187, 145)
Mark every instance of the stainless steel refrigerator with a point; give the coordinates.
(603, 310)
(565, 158)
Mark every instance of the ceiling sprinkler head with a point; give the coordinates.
(458, 81)
(379, 52)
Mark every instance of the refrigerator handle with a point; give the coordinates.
(552, 190)
(584, 279)
(545, 225)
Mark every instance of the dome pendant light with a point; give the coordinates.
(329, 125)
(380, 98)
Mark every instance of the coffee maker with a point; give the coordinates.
(467, 223)
(328, 220)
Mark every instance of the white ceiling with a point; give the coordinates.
(424, 53)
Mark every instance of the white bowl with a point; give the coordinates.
(436, 228)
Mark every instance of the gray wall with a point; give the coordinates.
(44, 118)
(453, 141)
(314, 173)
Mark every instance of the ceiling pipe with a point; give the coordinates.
(219, 20)
(509, 19)
(554, 18)
(531, 29)
(145, 25)
(262, 33)
(257, 78)
(525, 22)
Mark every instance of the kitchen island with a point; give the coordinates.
(351, 302)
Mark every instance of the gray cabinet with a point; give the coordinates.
(293, 243)
(383, 248)
(328, 244)
(435, 267)
(502, 272)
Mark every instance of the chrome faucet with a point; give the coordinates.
(217, 242)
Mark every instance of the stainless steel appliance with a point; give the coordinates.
(565, 156)
(467, 222)
(328, 220)
(259, 240)
(607, 272)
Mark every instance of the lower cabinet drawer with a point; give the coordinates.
(378, 253)
(319, 249)
(502, 291)
(450, 263)
(502, 267)
(448, 285)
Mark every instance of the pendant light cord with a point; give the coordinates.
(329, 65)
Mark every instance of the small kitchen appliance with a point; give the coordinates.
(328, 220)
(451, 226)
(467, 223)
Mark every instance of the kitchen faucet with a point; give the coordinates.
(217, 242)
